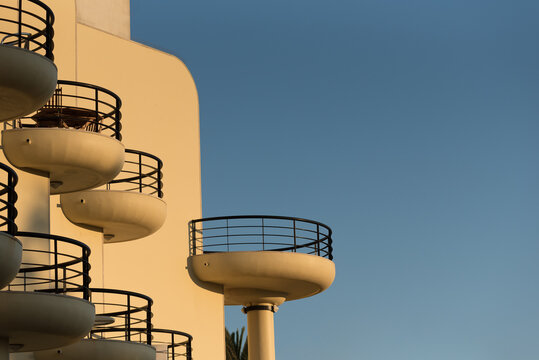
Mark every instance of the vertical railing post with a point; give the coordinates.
(295, 244)
(140, 172)
(189, 349)
(317, 240)
(56, 265)
(11, 211)
(149, 324)
(173, 347)
(263, 245)
(192, 237)
(64, 280)
(128, 319)
(159, 182)
(227, 243)
(117, 126)
(48, 38)
(96, 121)
(19, 26)
(227, 233)
(85, 275)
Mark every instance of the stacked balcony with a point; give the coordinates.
(26, 53)
(70, 133)
(259, 262)
(10, 246)
(38, 273)
(129, 207)
(123, 331)
(74, 139)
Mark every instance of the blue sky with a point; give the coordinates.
(409, 127)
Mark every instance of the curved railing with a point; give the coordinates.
(172, 344)
(80, 106)
(28, 24)
(8, 198)
(259, 233)
(122, 315)
(142, 172)
(54, 264)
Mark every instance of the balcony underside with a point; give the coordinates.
(36, 321)
(27, 81)
(99, 349)
(10, 258)
(119, 215)
(74, 160)
(253, 277)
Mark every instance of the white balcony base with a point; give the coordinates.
(10, 258)
(119, 215)
(37, 321)
(255, 277)
(99, 349)
(74, 160)
(27, 81)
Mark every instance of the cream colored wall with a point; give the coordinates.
(112, 16)
(160, 116)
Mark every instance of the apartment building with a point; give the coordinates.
(101, 136)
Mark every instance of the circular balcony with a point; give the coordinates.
(261, 259)
(130, 207)
(74, 139)
(10, 247)
(27, 75)
(172, 344)
(38, 309)
(123, 331)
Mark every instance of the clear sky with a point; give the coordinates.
(409, 127)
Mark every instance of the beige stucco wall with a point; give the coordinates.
(111, 16)
(160, 116)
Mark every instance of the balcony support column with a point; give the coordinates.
(4, 348)
(260, 331)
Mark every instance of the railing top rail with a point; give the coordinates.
(47, 9)
(276, 217)
(175, 332)
(54, 237)
(92, 86)
(122, 292)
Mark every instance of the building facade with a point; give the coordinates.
(159, 116)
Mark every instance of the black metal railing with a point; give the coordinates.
(54, 264)
(142, 172)
(122, 315)
(172, 344)
(8, 198)
(28, 24)
(80, 106)
(259, 233)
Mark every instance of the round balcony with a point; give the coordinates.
(130, 207)
(261, 259)
(172, 344)
(10, 246)
(38, 309)
(74, 139)
(123, 331)
(27, 75)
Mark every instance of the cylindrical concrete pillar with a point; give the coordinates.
(4, 348)
(260, 331)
